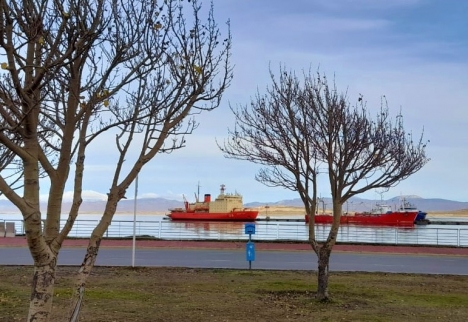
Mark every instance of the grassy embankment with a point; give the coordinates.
(176, 294)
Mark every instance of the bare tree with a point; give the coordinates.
(78, 70)
(274, 130)
(358, 153)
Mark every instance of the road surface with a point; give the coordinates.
(287, 256)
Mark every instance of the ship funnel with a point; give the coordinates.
(207, 198)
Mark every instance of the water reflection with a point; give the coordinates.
(212, 229)
(159, 227)
(372, 234)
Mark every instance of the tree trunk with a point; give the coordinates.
(45, 264)
(114, 196)
(42, 293)
(325, 252)
(322, 278)
(82, 276)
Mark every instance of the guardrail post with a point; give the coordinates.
(160, 228)
(458, 237)
(396, 236)
(437, 236)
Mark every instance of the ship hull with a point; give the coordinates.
(387, 219)
(421, 216)
(244, 215)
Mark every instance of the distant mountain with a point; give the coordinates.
(127, 206)
(97, 206)
(359, 204)
(149, 205)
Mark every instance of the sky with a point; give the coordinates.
(415, 52)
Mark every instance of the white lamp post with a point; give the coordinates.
(134, 221)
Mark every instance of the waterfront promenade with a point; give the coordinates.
(260, 246)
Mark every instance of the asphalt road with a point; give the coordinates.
(281, 260)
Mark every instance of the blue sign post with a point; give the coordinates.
(250, 249)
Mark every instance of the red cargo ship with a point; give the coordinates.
(382, 215)
(226, 207)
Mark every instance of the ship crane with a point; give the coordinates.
(186, 203)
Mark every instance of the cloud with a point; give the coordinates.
(412, 51)
(168, 195)
(88, 195)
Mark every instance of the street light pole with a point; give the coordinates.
(134, 221)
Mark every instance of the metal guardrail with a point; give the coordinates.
(266, 231)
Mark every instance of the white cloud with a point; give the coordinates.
(168, 195)
(88, 195)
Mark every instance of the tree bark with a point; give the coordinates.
(89, 260)
(82, 276)
(322, 278)
(45, 264)
(325, 252)
(42, 292)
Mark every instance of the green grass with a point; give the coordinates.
(175, 294)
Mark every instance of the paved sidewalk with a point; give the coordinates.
(260, 246)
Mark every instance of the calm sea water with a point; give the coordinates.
(124, 225)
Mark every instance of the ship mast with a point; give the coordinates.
(381, 193)
(197, 197)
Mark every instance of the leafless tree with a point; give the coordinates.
(358, 153)
(75, 71)
(275, 131)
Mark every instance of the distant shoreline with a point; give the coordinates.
(262, 211)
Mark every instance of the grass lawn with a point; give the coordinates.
(177, 294)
